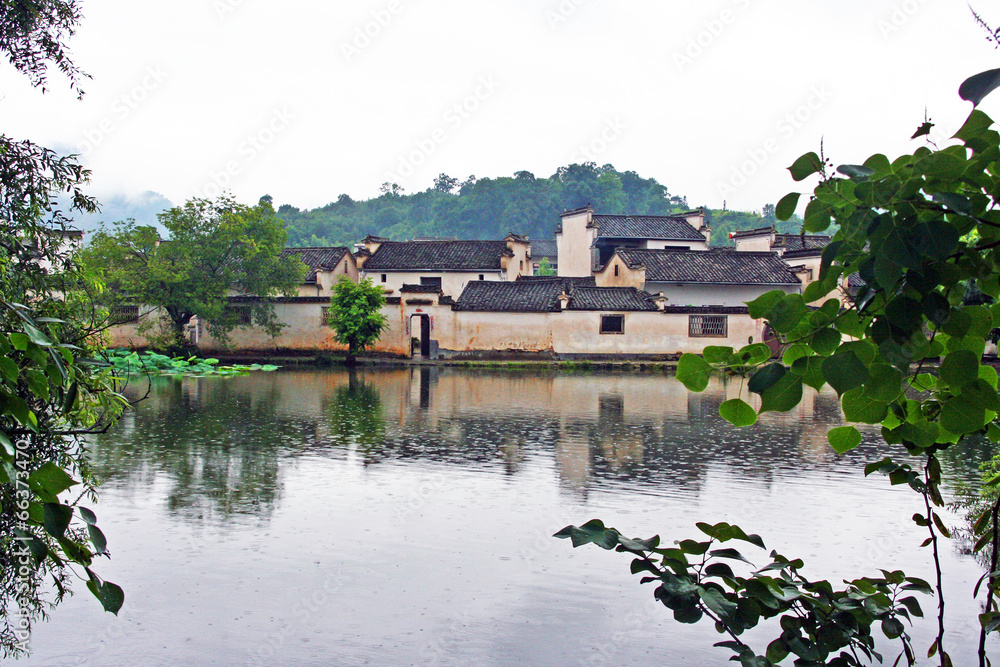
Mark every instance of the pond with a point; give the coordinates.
(404, 517)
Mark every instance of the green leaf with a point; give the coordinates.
(806, 166)
(863, 409)
(592, 531)
(974, 89)
(885, 383)
(763, 304)
(783, 396)
(825, 341)
(20, 341)
(49, 481)
(57, 518)
(959, 368)
(856, 171)
(693, 372)
(844, 438)
(766, 377)
(786, 206)
(844, 371)
(112, 597)
(9, 369)
(717, 354)
(738, 413)
(811, 371)
(958, 416)
(892, 628)
(788, 313)
(88, 515)
(97, 539)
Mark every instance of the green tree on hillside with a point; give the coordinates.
(216, 247)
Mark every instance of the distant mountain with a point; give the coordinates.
(489, 208)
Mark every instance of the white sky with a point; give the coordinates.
(180, 88)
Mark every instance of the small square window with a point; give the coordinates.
(612, 324)
(243, 315)
(383, 277)
(324, 318)
(482, 277)
(430, 282)
(708, 326)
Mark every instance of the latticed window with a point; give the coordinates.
(324, 318)
(242, 314)
(705, 326)
(124, 314)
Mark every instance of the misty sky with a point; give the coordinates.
(306, 100)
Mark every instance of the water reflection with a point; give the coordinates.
(219, 443)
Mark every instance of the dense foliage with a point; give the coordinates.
(355, 314)
(52, 391)
(490, 208)
(904, 352)
(214, 247)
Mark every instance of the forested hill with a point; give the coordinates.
(489, 208)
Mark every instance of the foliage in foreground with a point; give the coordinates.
(52, 392)
(903, 352)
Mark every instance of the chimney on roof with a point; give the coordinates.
(563, 301)
(660, 301)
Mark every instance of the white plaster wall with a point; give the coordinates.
(656, 244)
(573, 245)
(646, 333)
(468, 331)
(713, 295)
(452, 282)
(760, 243)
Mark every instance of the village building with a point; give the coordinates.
(586, 241)
(717, 277)
(542, 249)
(448, 265)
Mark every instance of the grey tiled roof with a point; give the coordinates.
(510, 297)
(800, 244)
(646, 227)
(420, 289)
(317, 259)
(543, 248)
(717, 267)
(610, 298)
(582, 281)
(541, 296)
(438, 256)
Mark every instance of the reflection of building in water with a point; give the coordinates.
(225, 438)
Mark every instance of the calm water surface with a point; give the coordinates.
(405, 517)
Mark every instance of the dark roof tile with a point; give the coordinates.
(317, 259)
(438, 256)
(510, 297)
(610, 298)
(543, 248)
(646, 227)
(717, 267)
